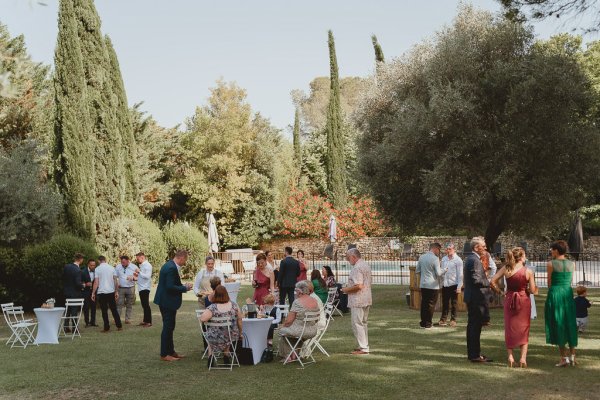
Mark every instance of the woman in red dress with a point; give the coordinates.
(264, 280)
(302, 276)
(517, 303)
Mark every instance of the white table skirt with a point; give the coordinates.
(256, 330)
(233, 289)
(48, 324)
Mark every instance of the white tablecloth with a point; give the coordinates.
(48, 324)
(256, 330)
(233, 289)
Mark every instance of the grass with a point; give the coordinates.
(406, 362)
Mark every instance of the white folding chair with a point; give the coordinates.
(315, 343)
(332, 298)
(202, 329)
(73, 319)
(4, 307)
(296, 343)
(22, 329)
(280, 316)
(213, 353)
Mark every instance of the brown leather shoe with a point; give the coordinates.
(177, 356)
(359, 352)
(169, 358)
(147, 325)
(142, 324)
(119, 329)
(127, 322)
(105, 330)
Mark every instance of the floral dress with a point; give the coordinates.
(218, 335)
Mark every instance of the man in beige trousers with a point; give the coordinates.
(359, 299)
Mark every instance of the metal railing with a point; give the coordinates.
(392, 268)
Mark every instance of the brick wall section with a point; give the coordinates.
(420, 244)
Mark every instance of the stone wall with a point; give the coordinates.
(420, 244)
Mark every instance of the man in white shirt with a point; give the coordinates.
(202, 282)
(126, 272)
(106, 288)
(144, 280)
(452, 284)
(359, 299)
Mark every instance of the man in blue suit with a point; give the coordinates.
(168, 298)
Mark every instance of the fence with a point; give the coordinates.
(392, 268)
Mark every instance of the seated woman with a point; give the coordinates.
(214, 282)
(319, 284)
(328, 276)
(293, 325)
(218, 337)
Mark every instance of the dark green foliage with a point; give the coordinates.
(30, 207)
(484, 129)
(124, 123)
(37, 274)
(103, 106)
(73, 145)
(296, 139)
(25, 95)
(379, 58)
(335, 165)
(185, 236)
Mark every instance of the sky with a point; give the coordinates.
(172, 52)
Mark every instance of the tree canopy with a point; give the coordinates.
(482, 128)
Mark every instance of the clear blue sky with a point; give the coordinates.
(172, 51)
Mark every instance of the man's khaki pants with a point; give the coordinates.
(126, 298)
(360, 315)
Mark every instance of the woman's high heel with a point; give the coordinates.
(523, 364)
(511, 364)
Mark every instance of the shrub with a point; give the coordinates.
(38, 275)
(307, 215)
(30, 206)
(184, 236)
(141, 234)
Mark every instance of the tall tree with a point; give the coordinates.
(73, 144)
(124, 123)
(296, 138)
(335, 165)
(469, 132)
(378, 51)
(103, 105)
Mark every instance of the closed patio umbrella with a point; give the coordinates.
(213, 236)
(576, 237)
(332, 229)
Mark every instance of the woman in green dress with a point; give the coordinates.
(561, 324)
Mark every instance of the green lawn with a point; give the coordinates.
(406, 362)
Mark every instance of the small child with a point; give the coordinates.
(582, 304)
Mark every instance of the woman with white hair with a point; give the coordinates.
(294, 323)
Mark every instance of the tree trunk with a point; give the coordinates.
(496, 224)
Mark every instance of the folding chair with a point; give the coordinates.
(213, 353)
(4, 307)
(332, 298)
(202, 330)
(75, 303)
(310, 318)
(281, 314)
(22, 329)
(315, 343)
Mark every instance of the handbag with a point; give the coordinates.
(267, 355)
(244, 354)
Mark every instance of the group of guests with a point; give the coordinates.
(564, 315)
(113, 287)
(303, 298)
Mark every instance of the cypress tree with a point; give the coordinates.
(296, 137)
(73, 151)
(102, 103)
(335, 165)
(124, 125)
(378, 51)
